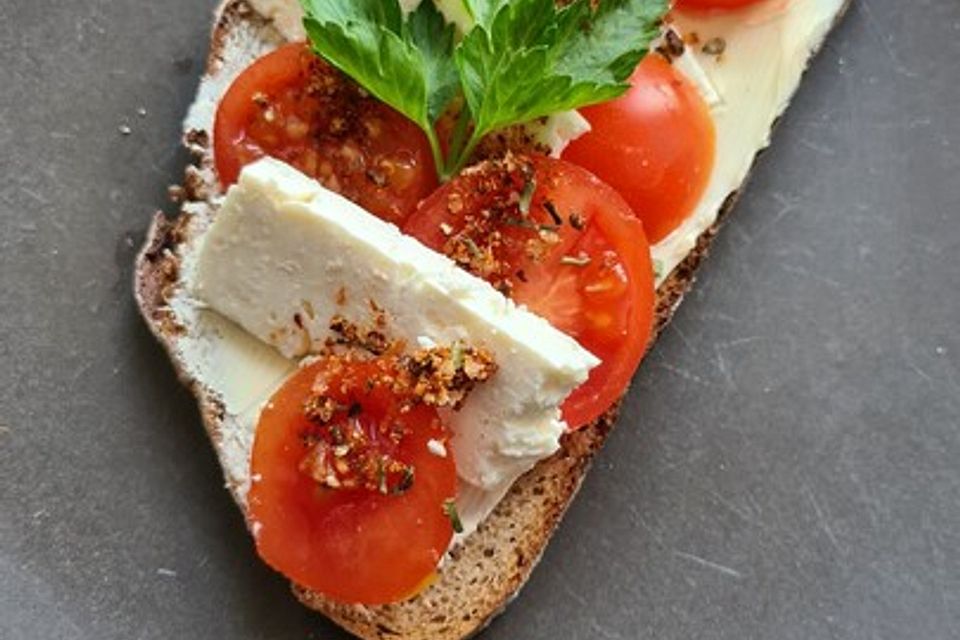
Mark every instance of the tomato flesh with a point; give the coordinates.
(556, 239)
(293, 106)
(359, 544)
(655, 145)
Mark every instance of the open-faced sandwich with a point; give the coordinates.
(421, 252)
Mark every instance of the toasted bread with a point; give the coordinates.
(486, 570)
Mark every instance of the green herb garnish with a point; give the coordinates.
(526, 196)
(472, 247)
(521, 60)
(450, 510)
(658, 268)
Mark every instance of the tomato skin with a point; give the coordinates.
(351, 545)
(292, 105)
(606, 305)
(714, 4)
(655, 145)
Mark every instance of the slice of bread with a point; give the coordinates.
(482, 574)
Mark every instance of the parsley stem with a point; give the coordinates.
(459, 131)
(464, 156)
(438, 160)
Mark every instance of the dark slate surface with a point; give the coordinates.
(788, 463)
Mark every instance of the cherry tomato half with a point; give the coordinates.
(292, 105)
(354, 545)
(655, 145)
(554, 238)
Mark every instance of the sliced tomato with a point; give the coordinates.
(715, 4)
(360, 544)
(292, 105)
(556, 239)
(655, 145)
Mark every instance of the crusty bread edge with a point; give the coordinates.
(482, 575)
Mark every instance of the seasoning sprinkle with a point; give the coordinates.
(714, 46)
(526, 196)
(450, 510)
(381, 476)
(552, 210)
(527, 224)
(437, 448)
(658, 268)
(406, 481)
(456, 355)
(674, 43)
(517, 222)
(575, 261)
(377, 177)
(598, 288)
(472, 246)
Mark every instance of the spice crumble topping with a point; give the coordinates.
(340, 452)
(504, 217)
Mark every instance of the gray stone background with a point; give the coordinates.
(787, 466)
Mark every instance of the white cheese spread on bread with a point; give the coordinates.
(765, 52)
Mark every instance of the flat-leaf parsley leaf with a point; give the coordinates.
(521, 60)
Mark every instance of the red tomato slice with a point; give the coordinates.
(655, 145)
(556, 239)
(292, 105)
(355, 545)
(714, 4)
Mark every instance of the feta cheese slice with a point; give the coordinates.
(284, 256)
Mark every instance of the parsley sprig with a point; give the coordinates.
(521, 60)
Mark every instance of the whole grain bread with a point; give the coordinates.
(483, 573)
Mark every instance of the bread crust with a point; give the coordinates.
(485, 572)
